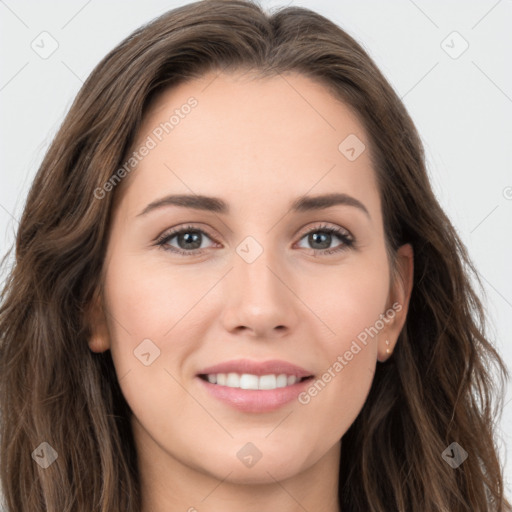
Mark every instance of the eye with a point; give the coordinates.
(326, 237)
(189, 240)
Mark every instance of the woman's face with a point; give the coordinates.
(254, 275)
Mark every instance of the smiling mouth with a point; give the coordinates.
(253, 382)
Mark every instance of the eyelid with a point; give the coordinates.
(172, 232)
(200, 227)
(336, 230)
(327, 225)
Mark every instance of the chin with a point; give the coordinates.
(274, 465)
(259, 474)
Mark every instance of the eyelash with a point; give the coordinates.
(342, 234)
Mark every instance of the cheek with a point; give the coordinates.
(147, 298)
(357, 297)
(147, 306)
(138, 312)
(350, 300)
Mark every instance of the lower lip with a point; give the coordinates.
(254, 400)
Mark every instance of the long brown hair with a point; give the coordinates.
(436, 389)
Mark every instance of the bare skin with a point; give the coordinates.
(258, 145)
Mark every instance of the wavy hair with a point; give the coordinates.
(438, 386)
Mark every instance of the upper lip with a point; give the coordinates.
(241, 366)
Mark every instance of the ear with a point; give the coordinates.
(398, 302)
(99, 340)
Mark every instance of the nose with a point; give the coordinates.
(259, 297)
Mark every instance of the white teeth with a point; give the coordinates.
(282, 381)
(249, 381)
(233, 380)
(268, 382)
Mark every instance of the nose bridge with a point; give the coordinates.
(255, 268)
(258, 297)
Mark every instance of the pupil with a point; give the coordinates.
(315, 236)
(188, 239)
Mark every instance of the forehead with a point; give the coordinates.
(244, 138)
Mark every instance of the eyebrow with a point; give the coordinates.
(217, 205)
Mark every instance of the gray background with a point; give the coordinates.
(461, 104)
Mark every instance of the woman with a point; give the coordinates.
(254, 370)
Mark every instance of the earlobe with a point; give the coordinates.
(400, 294)
(98, 344)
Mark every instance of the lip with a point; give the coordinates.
(258, 368)
(255, 400)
